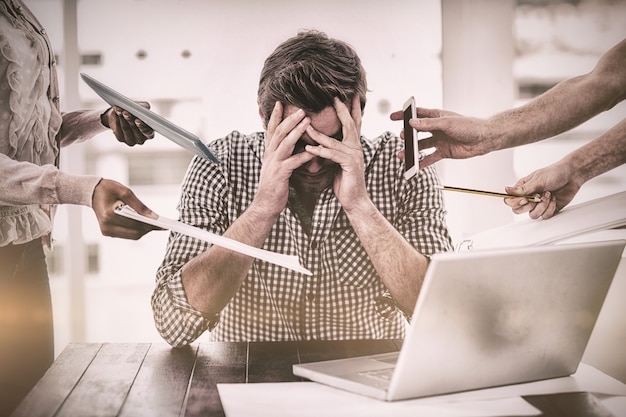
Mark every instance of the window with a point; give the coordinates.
(529, 90)
(94, 59)
(93, 258)
(164, 168)
(54, 260)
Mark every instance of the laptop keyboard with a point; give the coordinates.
(380, 376)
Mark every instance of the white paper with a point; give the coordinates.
(286, 261)
(312, 399)
(309, 399)
(615, 405)
(602, 213)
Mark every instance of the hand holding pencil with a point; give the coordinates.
(539, 205)
(557, 184)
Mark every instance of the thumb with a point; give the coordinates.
(525, 186)
(519, 188)
(132, 200)
(424, 125)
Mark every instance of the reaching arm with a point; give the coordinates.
(80, 125)
(560, 181)
(559, 109)
(564, 106)
(602, 154)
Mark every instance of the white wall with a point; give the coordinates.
(477, 60)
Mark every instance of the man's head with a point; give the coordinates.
(307, 71)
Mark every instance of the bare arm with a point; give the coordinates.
(559, 109)
(564, 106)
(600, 155)
(212, 278)
(400, 266)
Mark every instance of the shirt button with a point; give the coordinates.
(42, 31)
(55, 99)
(314, 245)
(310, 296)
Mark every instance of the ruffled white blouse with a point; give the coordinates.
(32, 130)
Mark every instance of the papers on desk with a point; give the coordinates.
(308, 399)
(601, 213)
(286, 261)
(161, 125)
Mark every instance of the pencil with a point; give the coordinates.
(530, 198)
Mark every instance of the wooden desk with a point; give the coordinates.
(143, 379)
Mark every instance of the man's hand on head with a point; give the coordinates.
(349, 184)
(279, 160)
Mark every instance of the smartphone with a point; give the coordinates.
(411, 151)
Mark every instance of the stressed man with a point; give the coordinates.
(308, 185)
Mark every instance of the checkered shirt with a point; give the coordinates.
(344, 298)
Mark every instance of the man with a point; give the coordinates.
(565, 106)
(310, 186)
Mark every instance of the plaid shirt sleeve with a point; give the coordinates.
(414, 207)
(176, 320)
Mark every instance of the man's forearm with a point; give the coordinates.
(400, 266)
(566, 105)
(213, 277)
(600, 155)
(560, 109)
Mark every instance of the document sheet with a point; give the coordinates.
(286, 261)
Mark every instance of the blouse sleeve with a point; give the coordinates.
(27, 183)
(79, 126)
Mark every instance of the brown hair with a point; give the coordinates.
(308, 71)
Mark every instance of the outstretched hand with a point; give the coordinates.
(555, 184)
(109, 194)
(452, 135)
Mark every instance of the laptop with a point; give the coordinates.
(488, 318)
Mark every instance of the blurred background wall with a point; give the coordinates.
(198, 62)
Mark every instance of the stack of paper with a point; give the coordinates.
(599, 214)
